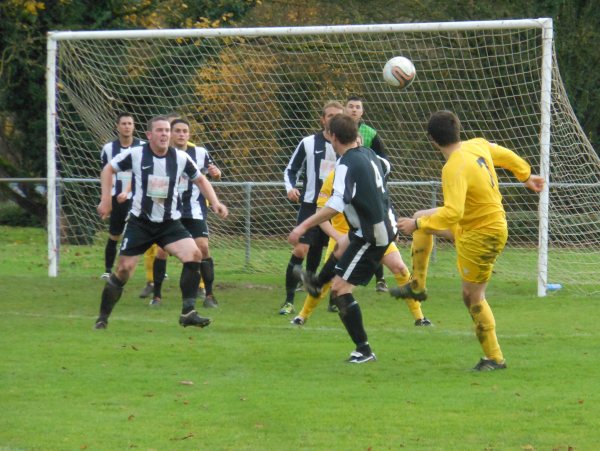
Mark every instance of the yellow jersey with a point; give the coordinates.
(470, 186)
(338, 221)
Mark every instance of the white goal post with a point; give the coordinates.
(252, 93)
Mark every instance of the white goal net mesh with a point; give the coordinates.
(252, 98)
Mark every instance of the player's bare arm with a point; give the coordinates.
(123, 195)
(214, 171)
(330, 231)
(105, 206)
(535, 183)
(322, 215)
(209, 193)
(407, 225)
(294, 195)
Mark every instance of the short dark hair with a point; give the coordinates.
(156, 119)
(122, 115)
(344, 128)
(444, 127)
(354, 98)
(179, 121)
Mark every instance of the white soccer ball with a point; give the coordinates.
(399, 72)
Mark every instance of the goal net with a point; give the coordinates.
(252, 94)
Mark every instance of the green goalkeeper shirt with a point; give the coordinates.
(370, 139)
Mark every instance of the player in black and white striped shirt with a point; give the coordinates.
(311, 163)
(193, 211)
(155, 216)
(359, 190)
(121, 201)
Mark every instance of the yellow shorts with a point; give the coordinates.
(391, 248)
(477, 253)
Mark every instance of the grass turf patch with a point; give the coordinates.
(253, 381)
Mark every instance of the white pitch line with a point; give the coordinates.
(434, 330)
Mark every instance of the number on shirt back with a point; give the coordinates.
(378, 178)
(482, 163)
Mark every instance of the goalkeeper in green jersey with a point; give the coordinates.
(368, 138)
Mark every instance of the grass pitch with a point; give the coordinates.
(252, 381)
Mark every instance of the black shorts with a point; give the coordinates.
(198, 228)
(314, 236)
(360, 260)
(118, 216)
(141, 234)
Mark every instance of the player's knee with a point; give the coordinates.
(196, 255)
(344, 302)
(397, 266)
(300, 250)
(123, 272)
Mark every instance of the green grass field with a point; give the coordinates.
(253, 381)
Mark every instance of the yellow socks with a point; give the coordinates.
(149, 256)
(413, 306)
(485, 329)
(311, 303)
(420, 251)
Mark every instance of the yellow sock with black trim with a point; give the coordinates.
(311, 302)
(149, 257)
(485, 329)
(420, 250)
(413, 306)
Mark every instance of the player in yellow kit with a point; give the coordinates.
(474, 215)
(337, 228)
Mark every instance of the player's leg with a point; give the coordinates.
(476, 255)
(421, 248)
(315, 252)
(297, 258)
(198, 228)
(311, 302)
(116, 226)
(207, 271)
(178, 242)
(291, 282)
(314, 283)
(355, 266)
(149, 257)
(113, 289)
(159, 269)
(393, 261)
(380, 283)
(135, 242)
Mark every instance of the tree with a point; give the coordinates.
(23, 31)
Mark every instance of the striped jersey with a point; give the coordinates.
(111, 150)
(360, 191)
(311, 163)
(155, 181)
(193, 203)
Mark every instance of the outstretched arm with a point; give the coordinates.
(324, 214)
(535, 183)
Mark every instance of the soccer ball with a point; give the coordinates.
(399, 72)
